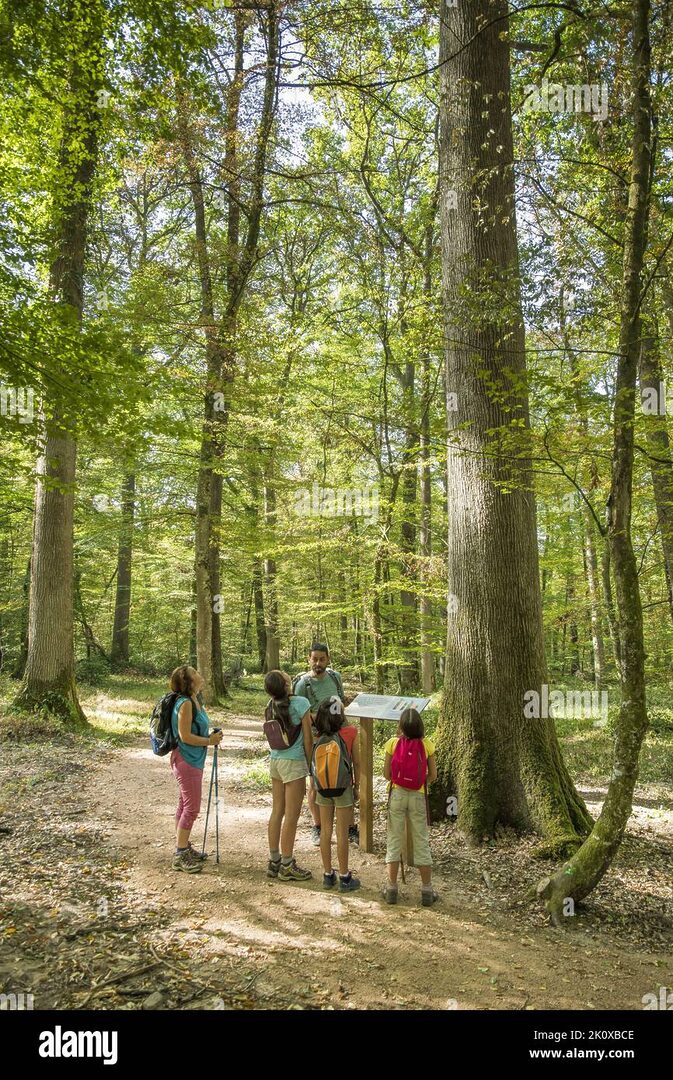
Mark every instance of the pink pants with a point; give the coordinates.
(190, 781)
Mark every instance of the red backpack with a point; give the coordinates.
(409, 764)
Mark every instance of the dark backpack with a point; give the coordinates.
(308, 677)
(161, 728)
(331, 766)
(278, 736)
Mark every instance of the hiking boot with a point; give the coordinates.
(315, 836)
(201, 855)
(353, 834)
(350, 884)
(429, 898)
(292, 872)
(390, 893)
(185, 860)
(273, 868)
(329, 880)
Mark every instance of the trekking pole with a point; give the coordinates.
(217, 809)
(210, 792)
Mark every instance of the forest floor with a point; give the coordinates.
(93, 916)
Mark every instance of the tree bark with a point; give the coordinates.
(504, 769)
(49, 678)
(584, 870)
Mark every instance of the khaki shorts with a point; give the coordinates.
(408, 806)
(339, 800)
(288, 769)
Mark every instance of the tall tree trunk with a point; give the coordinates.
(502, 767)
(6, 571)
(593, 585)
(581, 874)
(427, 660)
(407, 669)
(260, 627)
(613, 624)
(50, 667)
(20, 666)
(343, 615)
(93, 646)
(209, 487)
(377, 634)
(270, 592)
(119, 652)
(659, 450)
(192, 633)
(590, 556)
(221, 337)
(575, 664)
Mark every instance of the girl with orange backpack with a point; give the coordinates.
(409, 766)
(335, 769)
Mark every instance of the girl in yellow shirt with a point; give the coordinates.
(408, 804)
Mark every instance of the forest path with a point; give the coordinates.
(314, 948)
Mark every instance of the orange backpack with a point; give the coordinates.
(331, 766)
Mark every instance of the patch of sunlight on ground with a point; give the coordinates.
(243, 931)
(104, 702)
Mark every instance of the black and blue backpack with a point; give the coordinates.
(161, 729)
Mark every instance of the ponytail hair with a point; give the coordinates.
(279, 705)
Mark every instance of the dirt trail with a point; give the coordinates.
(317, 948)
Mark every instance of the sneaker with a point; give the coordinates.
(292, 872)
(329, 880)
(201, 855)
(350, 884)
(429, 898)
(315, 836)
(273, 868)
(353, 834)
(185, 860)
(390, 893)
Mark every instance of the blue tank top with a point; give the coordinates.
(193, 755)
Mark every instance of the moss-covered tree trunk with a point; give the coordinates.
(504, 768)
(576, 878)
(49, 678)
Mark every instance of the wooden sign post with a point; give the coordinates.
(367, 708)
